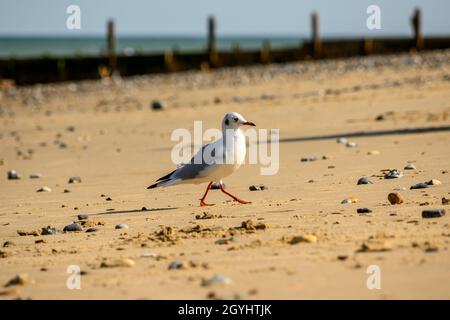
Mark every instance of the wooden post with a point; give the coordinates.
(169, 61)
(317, 46)
(212, 52)
(417, 29)
(368, 47)
(111, 39)
(265, 53)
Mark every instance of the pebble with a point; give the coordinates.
(44, 189)
(309, 238)
(373, 153)
(215, 186)
(225, 241)
(19, 280)
(349, 200)
(256, 188)
(435, 213)
(8, 244)
(216, 279)
(83, 216)
(410, 166)
(157, 105)
(108, 199)
(13, 175)
(120, 263)
(342, 140)
(445, 201)
(393, 174)
(308, 159)
(363, 210)
(351, 144)
(395, 198)
(121, 226)
(420, 185)
(91, 230)
(35, 176)
(364, 181)
(150, 255)
(433, 182)
(73, 227)
(74, 179)
(175, 265)
(49, 231)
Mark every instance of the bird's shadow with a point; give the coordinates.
(132, 211)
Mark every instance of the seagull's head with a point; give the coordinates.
(234, 120)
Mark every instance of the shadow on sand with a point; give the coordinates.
(131, 211)
(377, 133)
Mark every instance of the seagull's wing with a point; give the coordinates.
(190, 170)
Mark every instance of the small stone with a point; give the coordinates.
(29, 233)
(89, 230)
(74, 227)
(120, 263)
(74, 179)
(445, 201)
(410, 166)
(308, 159)
(373, 153)
(66, 191)
(256, 187)
(44, 189)
(150, 255)
(216, 279)
(13, 175)
(215, 186)
(364, 180)
(225, 241)
(8, 244)
(35, 176)
(49, 231)
(144, 209)
(349, 200)
(393, 174)
(434, 213)
(433, 182)
(342, 140)
(395, 198)
(176, 265)
(83, 216)
(157, 105)
(363, 210)
(19, 280)
(108, 199)
(351, 144)
(375, 246)
(342, 257)
(121, 226)
(420, 185)
(309, 238)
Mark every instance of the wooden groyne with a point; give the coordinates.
(24, 71)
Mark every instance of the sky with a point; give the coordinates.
(234, 17)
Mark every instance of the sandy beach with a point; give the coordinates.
(301, 242)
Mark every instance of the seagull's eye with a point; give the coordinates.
(227, 122)
(235, 119)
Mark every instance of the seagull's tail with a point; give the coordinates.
(164, 183)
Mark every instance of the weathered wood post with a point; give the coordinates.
(213, 58)
(315, 38)
(417, 29)
(368, 46)
(265, 52)
(111, 40)
(169, 61)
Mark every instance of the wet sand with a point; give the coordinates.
(395, 108)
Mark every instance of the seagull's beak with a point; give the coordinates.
(248, 123)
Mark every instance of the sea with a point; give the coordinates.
(17, 47)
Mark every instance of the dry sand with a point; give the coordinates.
(105, 132)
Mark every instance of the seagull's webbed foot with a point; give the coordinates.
(204, 204)
(234, 197)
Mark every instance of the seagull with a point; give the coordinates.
(226, 155)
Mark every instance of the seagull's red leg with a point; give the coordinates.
(202, 200)
(234, 197)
